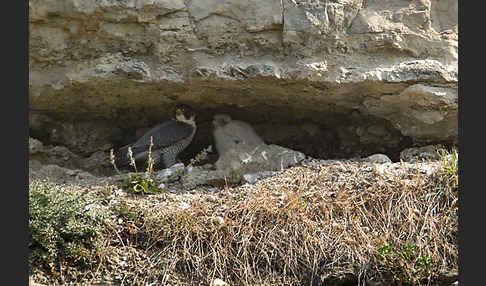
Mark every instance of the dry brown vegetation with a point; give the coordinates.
(308, 225)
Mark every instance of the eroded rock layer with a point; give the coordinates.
(328, 78)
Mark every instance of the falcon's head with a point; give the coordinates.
(185, 114)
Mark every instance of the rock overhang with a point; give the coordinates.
(380, 73)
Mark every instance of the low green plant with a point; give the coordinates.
(424, 265)
(62, 229)
(139, 183)
(406, 261)
(450, 163)
(385, 251)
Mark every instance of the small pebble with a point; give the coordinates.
(219, 282)
(184, 206)
(368, 169)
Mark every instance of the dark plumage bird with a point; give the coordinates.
(169, 139)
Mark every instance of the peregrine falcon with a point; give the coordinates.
(169, 139)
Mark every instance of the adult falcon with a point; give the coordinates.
(169, 139)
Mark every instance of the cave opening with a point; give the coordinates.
(320, 135)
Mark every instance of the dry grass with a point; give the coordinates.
(306, 226)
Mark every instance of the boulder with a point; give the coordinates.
(424, 153)
(170, 174)
(378, 158)
(244, 159)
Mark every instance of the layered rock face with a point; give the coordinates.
(328, 78)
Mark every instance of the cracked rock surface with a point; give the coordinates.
(373, 76)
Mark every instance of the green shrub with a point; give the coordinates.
(62, 230)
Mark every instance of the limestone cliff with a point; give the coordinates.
(365, 74)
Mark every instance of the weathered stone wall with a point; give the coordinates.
(358, 74)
